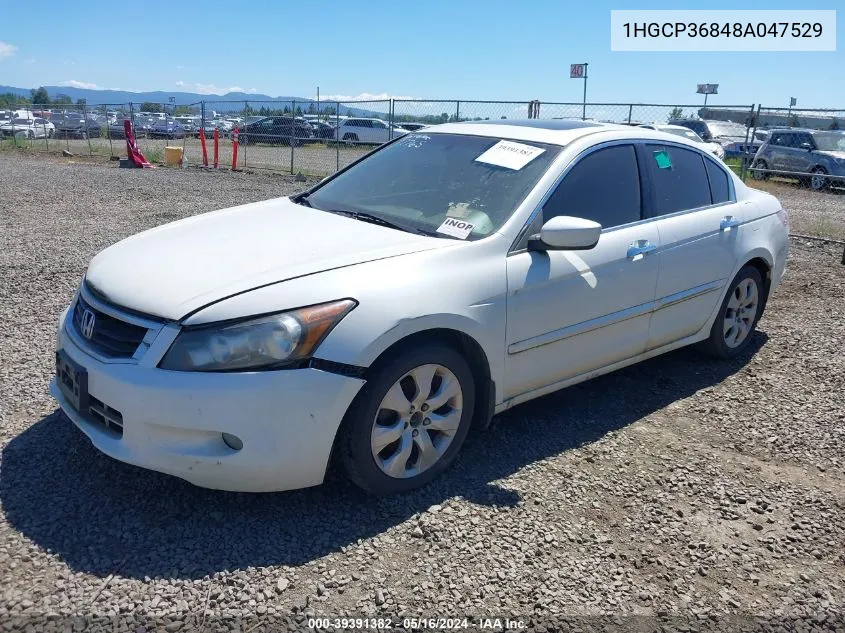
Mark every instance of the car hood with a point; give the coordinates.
(175, 269)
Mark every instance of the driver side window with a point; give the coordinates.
(603, 186)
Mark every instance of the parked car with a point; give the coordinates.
(413, 127)
(74, 126)
(210, 126)
(731, 136)
(167, 128)
(793, 152)
(142, 125)
(276, 130)
(116, 130)
(679, 130)
(378, 316)
(359, 130)
(28, 128)
(323, 130)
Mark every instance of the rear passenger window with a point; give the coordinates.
(679, 178)
(604, 186)
(719, 189)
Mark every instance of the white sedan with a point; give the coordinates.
(30, 128)
(679, 130)
(404, 301)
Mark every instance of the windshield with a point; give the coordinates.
(830, 141)
(685, 132)
(421, 180)
(727, 129)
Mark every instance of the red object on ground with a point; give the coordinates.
(216, 144)
(132, 151)
(204, 150)
(235, 149)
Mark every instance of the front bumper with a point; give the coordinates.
(173, 421)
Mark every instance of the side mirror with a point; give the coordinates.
(565, 232)
(805, 145)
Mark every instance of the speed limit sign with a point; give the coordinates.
(577, 71)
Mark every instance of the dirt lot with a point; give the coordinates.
(682, 488)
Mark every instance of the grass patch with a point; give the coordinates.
(155, 155)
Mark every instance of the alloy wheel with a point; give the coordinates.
(818, 180)
(741, 312)
(416, 421)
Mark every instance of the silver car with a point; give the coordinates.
(815, 157)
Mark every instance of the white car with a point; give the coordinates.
(28, 128)
(358, 130)
(444, 278)
(679, 130)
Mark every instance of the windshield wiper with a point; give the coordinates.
(372, 219)
(302, 199)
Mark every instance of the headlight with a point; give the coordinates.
(264, 343)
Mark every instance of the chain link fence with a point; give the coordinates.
(802, 163)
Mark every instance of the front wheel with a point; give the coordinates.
(759, 168)
(409, 421)
(738, 315)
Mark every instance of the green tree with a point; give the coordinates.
(81, 101)
(9, 100)
(62, 100)
(149, 106)
(676, 113)
(40, 96)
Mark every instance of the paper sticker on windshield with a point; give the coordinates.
(509, 154)
(456, 228)
(662, 159)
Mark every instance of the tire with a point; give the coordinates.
(350, 138)
(406, 438)
(759, 175)
(736, 320)
(818, 182)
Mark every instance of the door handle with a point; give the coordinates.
(640, 248)
(728, 222)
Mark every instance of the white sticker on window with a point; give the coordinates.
(509, 154)
(456, 228)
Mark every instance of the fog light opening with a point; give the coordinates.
(233, 441)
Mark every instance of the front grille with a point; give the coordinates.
(111, 337)
(101, 413)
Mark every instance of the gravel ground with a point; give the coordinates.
(682, 489)
(820, 213)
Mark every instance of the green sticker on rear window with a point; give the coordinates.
(662, 159)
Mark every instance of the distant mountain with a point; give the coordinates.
(213, 102)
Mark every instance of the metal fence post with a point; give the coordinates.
(743, 166)
(292, 132)
(457, 112)
(337, 135)
(87, 128)
(630, 112)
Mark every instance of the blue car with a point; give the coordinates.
(167, 129)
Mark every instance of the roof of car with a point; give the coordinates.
(556, 131)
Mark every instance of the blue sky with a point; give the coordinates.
(466, 49)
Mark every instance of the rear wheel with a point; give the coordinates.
(818, 180)
(409, 421)
(350, 138)
(738, 315)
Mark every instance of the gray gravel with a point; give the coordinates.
(681, 488)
